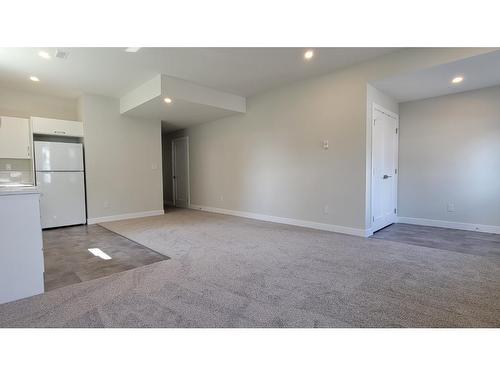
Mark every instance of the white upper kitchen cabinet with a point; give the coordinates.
(50, 126)
(15, 138)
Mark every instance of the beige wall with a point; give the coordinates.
(123, 160)
(450, 153)
(270, 160)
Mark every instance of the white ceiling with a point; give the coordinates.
(179, 114)
(113, 72)
(478, 72)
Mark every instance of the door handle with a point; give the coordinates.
(385, 177)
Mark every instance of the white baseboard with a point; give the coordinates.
(450, 224)
(133, 215)
(284, 220)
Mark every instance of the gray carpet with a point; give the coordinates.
(232, 272)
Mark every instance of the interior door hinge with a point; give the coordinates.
(396, 130)
(373, 218)
(396, 171)
(395, 211)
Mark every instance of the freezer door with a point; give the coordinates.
(62, 198)
(58, 156)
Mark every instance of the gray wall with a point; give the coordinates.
(123, 159)
(119, 151)
(23, 104)
(270, 160)
(450, 153)
(17, 103)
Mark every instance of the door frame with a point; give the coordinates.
(186, 138)
(395, 116)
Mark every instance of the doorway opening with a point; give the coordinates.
(180, 172)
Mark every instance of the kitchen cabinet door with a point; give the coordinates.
(14, 138)
(61, 128)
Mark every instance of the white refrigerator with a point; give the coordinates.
(60, 178)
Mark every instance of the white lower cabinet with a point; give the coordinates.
(21, 246)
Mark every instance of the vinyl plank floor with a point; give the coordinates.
(68, 259)
(460, 241)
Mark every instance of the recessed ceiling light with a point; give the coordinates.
(309, 55)
(132, 49)
(457, 79)
(44, 55)
(35, 79)
(168, 100)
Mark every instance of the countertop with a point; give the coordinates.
(18, 190)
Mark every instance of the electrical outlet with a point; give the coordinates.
(325, 210)
(325, 144)
(451, 207)
(221, 198)
(105, 204)
(8, 167)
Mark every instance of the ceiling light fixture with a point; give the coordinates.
(35, 79)
(457, 79)
(309, 55)
(168, 100)
(132, 49)
(44, 55)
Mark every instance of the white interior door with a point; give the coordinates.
(180, 171)
(384, 168)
